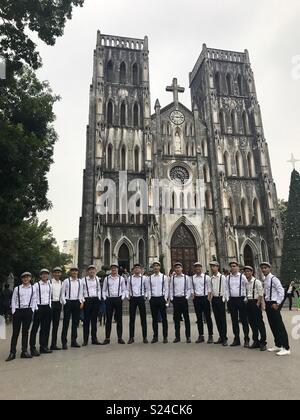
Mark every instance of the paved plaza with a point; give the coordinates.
(168, 372)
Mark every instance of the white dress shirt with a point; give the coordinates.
(136, 286)
(43, 293)
(71, 291)
(254, 289)
(201, 285)
(236, 286)
(158, 286)
(56, 290)
(114, 287)
(91, 287)
(274, 291)
(218, 285)
(24, 297)
(180, 286)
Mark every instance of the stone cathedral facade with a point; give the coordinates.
(214, 157)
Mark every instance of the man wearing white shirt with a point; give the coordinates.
(114, 293)
(158, 295)
(201, 292)
(56, 305)
(218, 284)
(136, 292)
(274, 296)
(92, 296)
(255, 304)
(236, 295)
(180, 292)
(72, 301)
(23, 306)
(43, 315)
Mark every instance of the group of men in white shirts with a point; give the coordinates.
(40, 305)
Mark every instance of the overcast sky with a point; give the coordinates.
(269, 29)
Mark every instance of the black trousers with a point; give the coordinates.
(71, 310)
(256, 321)
(22, 318)
(181, 308)
(238, 311)
(277, 326)
(134, 303)
(202, 305)
(158, 306)
(41, 321)
(114, 305)
(219, 309)
(56, 313)
(91, 310)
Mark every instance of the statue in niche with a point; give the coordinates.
(178, 143)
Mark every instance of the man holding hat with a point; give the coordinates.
(72, 301)
(218, 285)
(201, 292)
(42, 317)
(114, 293)
(136, 292)
(255, 304)
(236, 295)
(23, 307)
(92, 296)
(158, 295)
(56, 305)
(180, 292)
(274, 296)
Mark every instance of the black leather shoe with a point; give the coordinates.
(106, 342)
(155, 340)
(25, 355)
(225, 343)
(85, 344)
(75, 346)
(188, 341)
(263, 347)
(236, 343)
(177, 340)
(255, 346)
(35, 353)
(131, 341)
(96, 343)
(55, 348)
(11, 357)
(210, 340)
(200, 340)
(166, 341)
(121, 341)
(65, 347)
(145, 341)
(45, 351)
(220, 341)
(247, 344)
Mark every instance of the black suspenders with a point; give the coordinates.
(220, 286)
(254, 286)
(19, 297)
(241, 285)
(119, 290)
(271, 289)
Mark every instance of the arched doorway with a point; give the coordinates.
(124, 257)
(184, 248)
(248, 256)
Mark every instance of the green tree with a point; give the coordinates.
(47, 18)
(30, 246)
(291, 245)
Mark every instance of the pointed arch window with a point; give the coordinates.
(110, 113)
(137, 159)
(123, 114)
(239, 165)
(123, 158)
(110, 157)
(110, 72)
(233, 122)
(218, 83)
(222, 122)
(107, 253)
(251, 168)
(227, 164)
(136, 116)
(240, 84)
(245, 123)
(135, 74)
(142, 252)
(245, 212)
(123, 73)
(229, 84)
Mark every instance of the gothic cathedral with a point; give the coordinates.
(213, 160)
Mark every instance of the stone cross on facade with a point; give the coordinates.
(176, 89)
(293, 161)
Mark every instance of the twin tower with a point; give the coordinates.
(185, 184)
